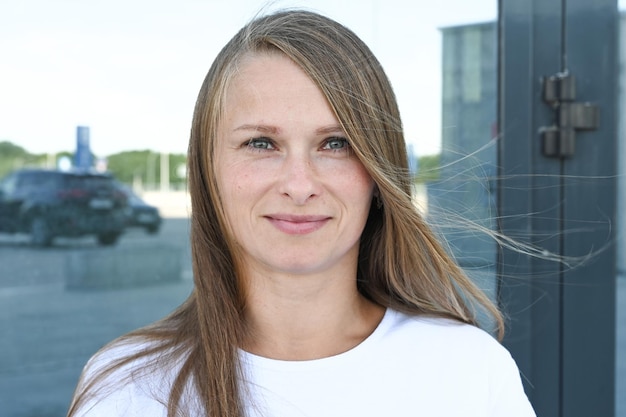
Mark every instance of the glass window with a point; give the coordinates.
(104, 67)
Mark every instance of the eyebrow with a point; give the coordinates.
(259, 128)
(330, 129)
(276, 130)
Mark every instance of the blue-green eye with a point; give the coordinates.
(336, 144)
(260, 144)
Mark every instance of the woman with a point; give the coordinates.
(319, 290)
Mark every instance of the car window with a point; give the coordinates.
(8, 185)
(87, 181)
(36, 181)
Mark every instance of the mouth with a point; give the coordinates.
(297, 224)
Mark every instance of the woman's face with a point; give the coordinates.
(295, 196)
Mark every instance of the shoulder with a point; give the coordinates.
(452, 347)
(438, 332)
(452, 358)
(121, 359)
(123, 379)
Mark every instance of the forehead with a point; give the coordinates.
(266, 72)
(272, 86)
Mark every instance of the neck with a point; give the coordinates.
(307, 317)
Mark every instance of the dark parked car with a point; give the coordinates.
(49, 203)
(139, 213)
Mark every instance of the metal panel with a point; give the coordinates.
(589, 215)
(530, 198)
(553, 308)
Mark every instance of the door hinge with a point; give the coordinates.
(559, 139)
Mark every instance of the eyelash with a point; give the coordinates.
(253, 143)
(267, 144)
(344, 142)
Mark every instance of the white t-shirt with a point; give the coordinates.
(409, 366)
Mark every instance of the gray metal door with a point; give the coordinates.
(556, 193)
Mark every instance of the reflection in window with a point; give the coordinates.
(465, 191)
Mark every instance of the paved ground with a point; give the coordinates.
(42, 358)
(47, 332)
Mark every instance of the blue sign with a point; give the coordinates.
(413, 163)
(82, 157)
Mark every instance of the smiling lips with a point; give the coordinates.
(297, 225)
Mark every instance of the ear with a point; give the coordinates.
(377, 199)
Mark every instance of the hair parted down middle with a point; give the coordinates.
(401, 263)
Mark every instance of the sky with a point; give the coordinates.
(130, 70)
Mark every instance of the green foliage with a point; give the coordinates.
(10, 150)
(67, 155)
(128, 167)
(14, 157)
(428, 168)
(144, 167)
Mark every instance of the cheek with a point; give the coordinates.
(233, 192)
(240, 185)
(234, 204)
(228, 188)
(360, 183)
(231, 178)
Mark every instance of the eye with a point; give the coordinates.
(336, 144)
(260, 144)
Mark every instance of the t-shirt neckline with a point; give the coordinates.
(251, 359)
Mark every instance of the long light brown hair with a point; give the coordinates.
(402, 265)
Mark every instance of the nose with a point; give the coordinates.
(299, 179)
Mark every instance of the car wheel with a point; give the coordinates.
(108, 239)
(152, 230)
(40, 233)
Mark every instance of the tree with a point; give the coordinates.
(145, 167)
(142, 166)
(10, 150)
(13, 156)
(429, 168)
